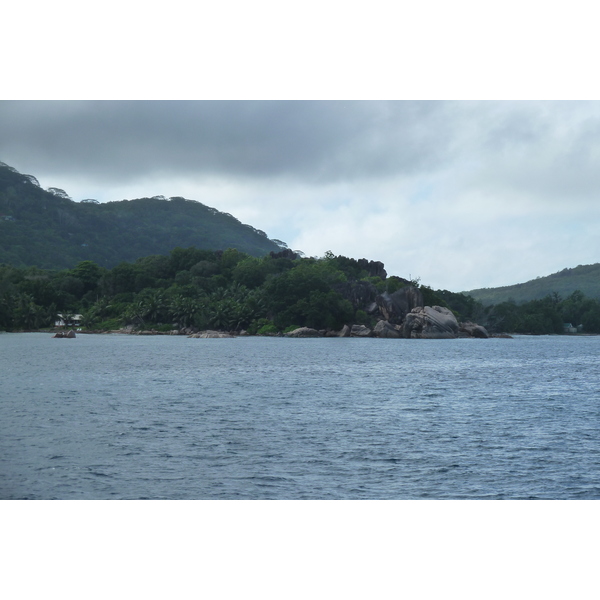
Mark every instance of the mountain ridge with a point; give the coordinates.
(585, 278)
(47, 229)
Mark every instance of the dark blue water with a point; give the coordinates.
(130, 417)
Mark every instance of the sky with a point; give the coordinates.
(461, 194)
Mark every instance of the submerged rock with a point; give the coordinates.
(65, 334)
(303, 332)
(211, 334)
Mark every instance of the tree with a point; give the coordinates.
(504, 317)
(121, 279)
(184, 310)
(59, 193)
(250, 272)
(591, 320)
(229, 259)
(183, 259)
(154, 307)
(89, 273)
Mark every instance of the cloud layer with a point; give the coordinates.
(461, 194)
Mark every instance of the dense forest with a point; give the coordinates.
(547, 315)
(585, 278)
(47, 229)
(233, 291)
(204, 289)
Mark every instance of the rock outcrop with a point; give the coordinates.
(430, 322)
(65, 334)
(361, 294)
(473, 330)
(345, 332)
(285, 253)
(394, 307)
(303, 332)
(374, 268)
(360, 331)
(384, 329)
(211, 334)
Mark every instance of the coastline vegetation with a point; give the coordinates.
(199, 289)
(585, 278)
(230, 290)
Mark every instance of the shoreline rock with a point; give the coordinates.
(430, 322)
(422, 322)
(211, 334)
(303, 332)
(385, 329)
(360, 331)
(474, 330)
(65, 334)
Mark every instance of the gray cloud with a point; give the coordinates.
(540, 147)
(540, 152)
(316, 141)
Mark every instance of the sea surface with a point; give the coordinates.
(168, 417)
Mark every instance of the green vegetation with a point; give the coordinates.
(230, 290)
(226, 290)
(200, 289)
(545, 316)
(544, 305)
(45, 228)
(585, 278)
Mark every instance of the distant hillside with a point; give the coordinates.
(585, 278)
(45, 228)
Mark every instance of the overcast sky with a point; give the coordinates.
(460, 194)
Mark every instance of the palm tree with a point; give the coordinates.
(135, 313)
(156, 307)
(89, 318)
(184, 310)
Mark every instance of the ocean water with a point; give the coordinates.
(167, 417)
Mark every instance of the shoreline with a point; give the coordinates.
(210, 333)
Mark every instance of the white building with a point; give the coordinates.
(73, 320)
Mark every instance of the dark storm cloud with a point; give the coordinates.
(315, 141)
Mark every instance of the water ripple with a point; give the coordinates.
(172, 418)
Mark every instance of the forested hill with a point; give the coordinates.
(585, 278)
(47, 229)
